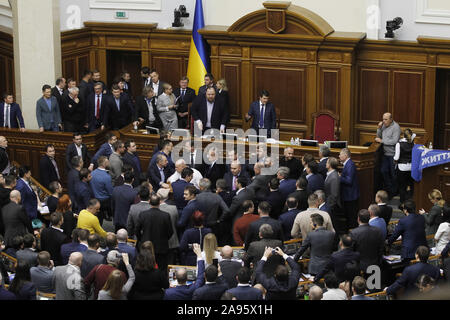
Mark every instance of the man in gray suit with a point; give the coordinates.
(67, 280)
(136, 209)
(172, 210)
(91, 257)
(28, 253)
(321, 242)
(332, 188)
(48, 114)
(115, 160)
(42, 275)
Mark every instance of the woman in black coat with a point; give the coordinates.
(222, 93)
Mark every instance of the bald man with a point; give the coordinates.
(4, 159)
(123, 247)
(229, 266)
(388, 133)
(15, 219)
(315, 293)
(67, 279)
(180, 164)
(235, 172)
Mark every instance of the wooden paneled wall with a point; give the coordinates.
(6, 64)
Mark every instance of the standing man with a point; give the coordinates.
(159, 172)
(48, 168)
(78, 148)
(263, 114)
(332, 188)
(145, 110)
(107, 148)
(127, 84)
(324, 153)
(73, 112)
(388, 133)
(59, 90)
(28, 195)
(132, 158)
(186, 95)
(209, 112)
(67, 279)
(48, 114)
(156, 84)
(86, 86)
(96, 78)
(209, 83)
(122, 198)
(10, 113)
(295, 166)
(15, 218)
(4, 158)
(115, 160)
(120, 109)
(97, 108)
(145, 74)
(349, 188)
(102, 187)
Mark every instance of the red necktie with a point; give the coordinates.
(98, 107)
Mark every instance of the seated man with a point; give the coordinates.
(244, 291)
(213, 288)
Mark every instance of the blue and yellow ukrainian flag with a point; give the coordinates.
(198, 64)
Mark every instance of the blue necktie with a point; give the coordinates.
(118, 104)
(261, 117)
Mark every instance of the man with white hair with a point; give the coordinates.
(174, 243)
(123, 247)
(315, 293)
(67, 279)
(180, 164)
(73, 112)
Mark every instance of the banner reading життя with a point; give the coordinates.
(423, 157)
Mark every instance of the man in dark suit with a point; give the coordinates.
(287, 186)
(83, 191)
(122, 198)
(264, 218)
(15, 219)
(48, 168)
(58, 90)
(187, 96)
(381, 199)
(209, 112)
(287, 218)
(275, 198)
(131, 158)
(28, 253)
(263, 114)
(120, 110)
(53, 238)
(9, 107)
(159, 172)
(349, 188)
(368, 241)
(127, 84)
(412, 230)
(155, 225)
(235, 173)
(315, 180)
(73, 177)
(27, 194)
(145, 74)
(179, 186)
(209, 83)
(213, 289)
(185, 221)
(245, 291)
(411, 273)
(295, 165)
(156, 84)
(321, 242)
(91, 257)
(300, 194)
(332, 187)
(86, 85)
(260, 182)
(324, 153)
(342, 262)
(213, 170)
(48, 113)
(229, 266)
(283, 285)
(78, 148)
(78, 244)
(145, 112)
(123, 247)
(97, 108)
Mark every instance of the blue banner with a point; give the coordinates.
(423, 157)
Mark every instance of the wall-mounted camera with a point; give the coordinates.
(178, 14)
(392, 25)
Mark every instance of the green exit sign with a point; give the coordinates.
(121, 15)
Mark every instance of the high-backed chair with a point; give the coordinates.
(325, 126)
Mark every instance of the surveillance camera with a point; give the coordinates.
(178, 14)
(392, 25)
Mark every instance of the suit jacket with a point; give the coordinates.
(369, 242)
(173, 214)
(125, 248)
(332, 188)
(73, 113)
(339, 263)
(141, 111)
(253, 230)
(91, 258)
(51, 241)
(229, 269)
(186, 214)
(228, 176)
(57, 95)
(68, 248)
(16, 222)
(321, 242)
(189, 96)
(122, 198)
(71, 152)
(287, 186)
(322, 167)
(213, 173)
(62, 277)
(270, 118)
(83, 193)
(246, 293)
(178, 193)
(385, 213)
(160, 87)
(47, 171)
(15, 116)
(191, 236)
(155, 177)
(210, 291)
(295, 167)
(119, 118)
(212, 205)
(362, 297)
(412, 230)
(156, 227)
(276, 201)
(29, 199)
(185, 292)
(302, 199)
(279, 290)
(219, 114)
(315, 182)
(133, 216)
(256, 251)
(349, 182)
(91, 107)
(27, 255)
(287, 221)
(236, 210)
(46, 117)
(260, 186)
(73, 177)
(104, 150)
(411, 274)
(42, 277)
(86, 88)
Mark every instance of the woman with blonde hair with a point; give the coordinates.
(210, 252)
(222, 93)
(402, 157)
(434, 217)
(166, 107)
(115, 287)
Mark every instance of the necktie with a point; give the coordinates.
(261, 117)
(98, 107)
(182, 94)
(234, 183)
(7, 116)
(118, 104)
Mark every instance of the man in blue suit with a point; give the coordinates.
(123, 247)
(412, 230)
(185, 291)
(190, 193)
(263, 114)
(78, 244)
(48, 114)
(244, 291)
(159, 172)
(213, 288)
(287, 218)
(27, 194)
(349, 188)
(315, 180)
(411, 273)
(376, 221)
(287, 186)
(120, 109)
(83, 191)
(179, 186)
(122, 198)
(105, 149)
(10, 113)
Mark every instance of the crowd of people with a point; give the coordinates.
(192, 213)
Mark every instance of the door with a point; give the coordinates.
(119, 61)
(442, 120)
